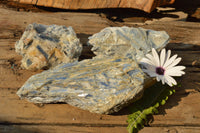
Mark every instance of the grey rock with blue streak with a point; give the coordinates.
(97, 85)
(104, 84)
(43, 46)
(127, 42)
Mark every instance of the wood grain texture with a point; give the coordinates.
(17, 111)
(172, 129)
(145, 5)
(181, 113)
(58, 129)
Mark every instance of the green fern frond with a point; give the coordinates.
(152, 98)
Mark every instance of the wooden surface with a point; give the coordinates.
(180, 114)
(146, 5)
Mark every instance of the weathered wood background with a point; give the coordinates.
(146, 5)
(180, 114)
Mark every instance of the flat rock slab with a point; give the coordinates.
(43, 46)
(99, 86)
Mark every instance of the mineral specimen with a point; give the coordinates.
(97, 85)
(127, 42)
(104, 84)
(45, 46)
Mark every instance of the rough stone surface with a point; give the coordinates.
(97, 85)
(45, 46)
(104, 84)
(127, 42)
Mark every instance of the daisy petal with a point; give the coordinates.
(180, 73)
(150, 73)
(160, 77)
(168, 62)
(150, 57)
(162, 57)
(167, 55)
(170, 80)
(145, 60)
(157, 78)
(174, 63)
(176, 71)
(151, 68)
(156, 57)
(163, 81)
(177, 68)
(170, 84)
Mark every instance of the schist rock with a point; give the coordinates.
(104, 84)
(127, 42)
(97, 85)
(43, 46)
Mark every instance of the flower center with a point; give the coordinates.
(160, 70)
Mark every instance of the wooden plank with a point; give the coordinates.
(171, 129)
(183, 47)
(180, 32)
(13, 110)
(182, 109)
(28, 1)
(67, 129)
(187, 60)
(59, 129)
(180, 112)
(87, 23)
(146, 5)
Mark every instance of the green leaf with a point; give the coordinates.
(152, 98)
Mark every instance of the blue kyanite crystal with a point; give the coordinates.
(104, 84)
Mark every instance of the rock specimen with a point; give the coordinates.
(104, 84)
(127, 42)
(47, 46)
(98, 85)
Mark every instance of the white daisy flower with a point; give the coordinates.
(163, 68)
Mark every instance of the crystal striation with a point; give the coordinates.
(45, 46)
(97, 85)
